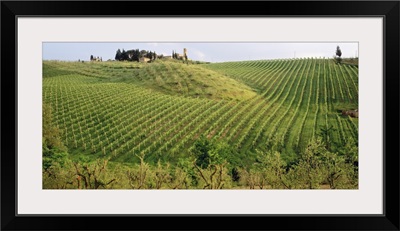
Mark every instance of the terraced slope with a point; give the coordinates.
(304, 96)
(120, 109)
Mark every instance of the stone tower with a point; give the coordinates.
(184, 52)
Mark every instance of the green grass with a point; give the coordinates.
(119, 109)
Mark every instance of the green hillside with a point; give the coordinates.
(118, 109)
(300, 98)
(169, 77)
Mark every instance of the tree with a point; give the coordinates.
(268, 170)
(93, 175)
(136, 55)
(309, 171)
(185, 55)
(51, 134)
(338, 51)
(338, 55)
(318, 166)
(143, 53)
(184, 175)
(350, 152)
(326, 135)
(118, 55)
(161, 175)
(55, 155)
(210, 163)
(138, 176)
(124, 55)
(201, 151)
(275, 169)
(338, 173)
(52, 147)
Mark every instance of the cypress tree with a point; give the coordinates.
(118, 55)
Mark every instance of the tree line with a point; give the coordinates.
(135, 55)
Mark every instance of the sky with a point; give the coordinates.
(210, 52)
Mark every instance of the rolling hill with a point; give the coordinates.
(119, 109)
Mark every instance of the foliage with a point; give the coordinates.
(93, 175)
(54, 153)
(214, 176)
(211, 162)
(138, 176)
(309, 169)
(118, 55)
(59, 176)
(135, 55)
(51, 134)
(209, 152)
(275, 169)
(52, 156)
(315, 168)
(338, 57)
(327, 136)
(338, 51)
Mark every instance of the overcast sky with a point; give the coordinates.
(211, 52)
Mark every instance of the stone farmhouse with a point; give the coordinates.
(144, 60)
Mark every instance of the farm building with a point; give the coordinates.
(144, 60)
(96, 59)
(352, 113)
(178, 56)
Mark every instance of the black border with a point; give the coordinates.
(11, 10)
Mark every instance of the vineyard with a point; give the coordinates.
(119, 109)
